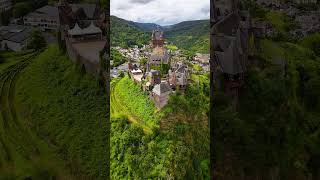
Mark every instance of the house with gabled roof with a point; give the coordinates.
(161, 93)
(178, 76)
(46, 18)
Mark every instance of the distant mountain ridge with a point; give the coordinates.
(146, 26)
(189, 35)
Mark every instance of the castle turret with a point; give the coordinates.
(157, 38)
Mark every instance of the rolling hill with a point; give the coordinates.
(126, 34)
(188, 35)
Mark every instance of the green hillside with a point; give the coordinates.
(125, 34)
(150, 144)
(189, 35)
(54, 119)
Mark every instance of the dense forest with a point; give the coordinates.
(190, 35)
(275, 134)
(125, 34)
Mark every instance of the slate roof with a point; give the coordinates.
(154, 72)
(15, 33)
(49, 10)
(92, 29)
(89, 9)
(159, 53)
(161, 88)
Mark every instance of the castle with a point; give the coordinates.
(230, 40)
(83, 28)
(159, 53)
(160, 83)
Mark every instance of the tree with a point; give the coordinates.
(21, 8)
(37, 40)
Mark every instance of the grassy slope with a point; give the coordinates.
(66, 109)
(22, 153)
(142, 107)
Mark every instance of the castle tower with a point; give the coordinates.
(230, 46)
(66, 15)
(157, 38)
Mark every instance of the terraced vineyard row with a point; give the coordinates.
(20, 149)
(116, 108)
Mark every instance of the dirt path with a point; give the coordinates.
(21, 150)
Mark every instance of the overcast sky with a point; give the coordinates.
(163, 12)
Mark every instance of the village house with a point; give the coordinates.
(15, 37)
(46, 18)
(178, 76)
(161, 93)
(154, 77)
(5, 5)
(136, 75)
(202, 58)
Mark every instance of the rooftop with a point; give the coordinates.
(161, 88)
(15, 33)
(91, 29)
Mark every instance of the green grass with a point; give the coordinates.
(66, 109)
(137, 102)
(23, 154)
(277, 19)
(172, 47)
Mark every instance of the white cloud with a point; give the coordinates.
(163, 12)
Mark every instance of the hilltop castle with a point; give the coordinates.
(158, 81)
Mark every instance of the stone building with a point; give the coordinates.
(161, 93)
(154, 77)
(230, 43)
(159, 53)
(178, 76)
(15, 37)
(46, 18)
(83, 28)
(5, 5)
